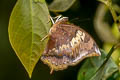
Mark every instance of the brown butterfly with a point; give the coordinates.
(68, 45)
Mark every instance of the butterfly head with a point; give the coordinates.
(58, 20)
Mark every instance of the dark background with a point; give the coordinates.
(11, 67)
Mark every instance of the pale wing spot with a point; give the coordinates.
(97, 51)
(56, 51)
(72, 53)
(60, 48)
(64, 46)
(77, 35)
(83, 37)
(77, 39)
(73, 40)
(53, 49)
(67, 46)
(50, 50)
(79, 32)
(62, 38)
(71, 43)
(80, 35)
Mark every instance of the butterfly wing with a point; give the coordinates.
(68, 45)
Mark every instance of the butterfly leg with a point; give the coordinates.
(51, 71)
(49, 31)
(44, 37)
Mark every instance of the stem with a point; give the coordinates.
(107, 58)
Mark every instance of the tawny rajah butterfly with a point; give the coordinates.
(68, 44)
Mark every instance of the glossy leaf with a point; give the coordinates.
(27, 26)
(61, 5)
(91, 65)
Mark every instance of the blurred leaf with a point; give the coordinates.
(101, 27)
(91, 65)
(27, 26)
(116, 54)
(115, 31)
(115, 76)
(107, 46)
(112, 9)
(61, 5)
(116, 8)
(108, 3)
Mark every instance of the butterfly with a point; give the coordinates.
(68, 45)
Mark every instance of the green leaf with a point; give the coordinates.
(27, 26)
(107, 46)
(89, 68)
(61, 5)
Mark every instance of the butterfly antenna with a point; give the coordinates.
(52, 20)
(58, 17)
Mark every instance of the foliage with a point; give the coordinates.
(29, 23)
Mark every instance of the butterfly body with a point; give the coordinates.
(68, 45)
